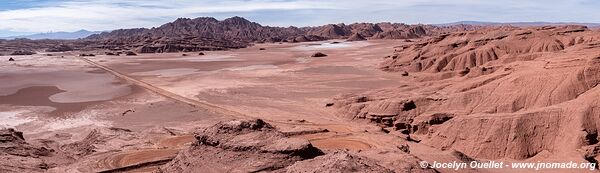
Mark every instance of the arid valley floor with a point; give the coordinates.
(378, 105)
(282, 85)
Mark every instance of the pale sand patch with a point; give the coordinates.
(110, 91)
(303, 60)
(253, 67)
(132, 63)
(191, 88)
(329, 45)
(203, 58)
(174, 72)
(79, 86)
(27, 62)
(11, 119)
(83, 118)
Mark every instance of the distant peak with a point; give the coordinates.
(182, 19)
(237, 19)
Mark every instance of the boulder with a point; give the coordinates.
(318, 54)
(404, 73)
(130, 53)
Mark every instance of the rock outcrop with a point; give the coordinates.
(22, 52)
(462, 50)
(306, 38)
(408, 32)
(331, 31)
(60, 48)
(338, 161)
(356, 37)
(241, 146)
(255, 146)
(493, 93)
(16, 155)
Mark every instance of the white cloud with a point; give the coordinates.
(113, 14)
(108, 15)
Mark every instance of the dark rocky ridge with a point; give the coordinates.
(206, 33)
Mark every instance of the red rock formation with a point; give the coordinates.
(60, 48)
(331, 31)
(493, 93)
(356, 37)
(365, 29)
(22, 52)
(338, 161)
(458, 51)
(16, 155)
(241, 146)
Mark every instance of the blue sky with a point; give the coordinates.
(33, 16)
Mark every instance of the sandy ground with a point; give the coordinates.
(45, 96)
(281, 84)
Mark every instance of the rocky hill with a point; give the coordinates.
(193, 35)
(206, 33)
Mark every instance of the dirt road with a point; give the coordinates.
(199, 104)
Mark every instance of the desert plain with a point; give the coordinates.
(502, 94)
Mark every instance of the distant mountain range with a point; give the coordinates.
(520, 24)
(56, 35)
(85, 33)
(207, 33)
